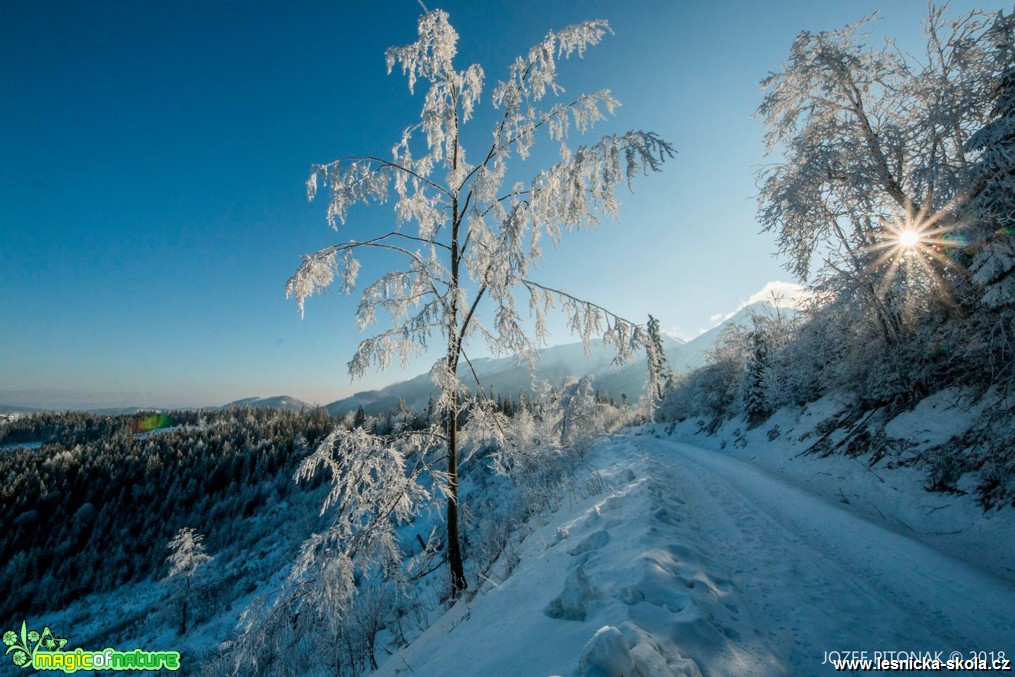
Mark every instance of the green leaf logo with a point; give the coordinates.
(21, 648)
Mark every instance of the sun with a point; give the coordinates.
(912, 248)
(909, 238)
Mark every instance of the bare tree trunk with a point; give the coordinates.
(183, 611)
(458, 583)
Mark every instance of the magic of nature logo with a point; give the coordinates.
(45, 651)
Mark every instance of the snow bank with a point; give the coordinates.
(888, 489)
(614, 584)
(753, 558)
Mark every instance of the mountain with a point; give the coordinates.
(507, 377)
(7, 409)
(121, 411)
(277, 402)
(694, 353)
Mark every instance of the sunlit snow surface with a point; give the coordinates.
(695, 560)
(674, 552)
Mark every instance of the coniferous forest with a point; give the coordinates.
(93, 507)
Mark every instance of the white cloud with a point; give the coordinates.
(778, 293)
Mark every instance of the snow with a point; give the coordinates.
(936, 419)
(887, 492)
(674, 552)
(695, 560)
(607, 653)
(593, 565)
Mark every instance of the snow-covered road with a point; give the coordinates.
(695, 560)
(817, 578)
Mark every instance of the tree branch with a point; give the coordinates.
(386, 163)
(530, 284)
(468, 315)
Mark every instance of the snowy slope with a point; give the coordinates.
(671, 552)
(697, 561)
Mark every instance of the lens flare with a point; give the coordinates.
(916, 250)
(153, 421)
(909, 239)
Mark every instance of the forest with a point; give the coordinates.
(82, 518)
(85, 522)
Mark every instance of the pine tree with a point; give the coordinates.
(660, 376)
(186, 556)
(476, 237)
(756, 406)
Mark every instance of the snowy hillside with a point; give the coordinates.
(692, 561)
(659, 550)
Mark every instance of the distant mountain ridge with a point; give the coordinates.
(7, 409)
(277, 402)
(507, 377)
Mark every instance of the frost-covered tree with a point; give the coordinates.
(660, 375)
(576, 410)
(375, 485)
(186, 556)
(875, 151)
(992, 206)
(467, 233)
(991, 210)
(756, 406)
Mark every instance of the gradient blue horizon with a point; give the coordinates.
(154, 158)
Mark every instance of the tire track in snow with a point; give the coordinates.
(818, 578)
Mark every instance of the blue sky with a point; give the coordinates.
(152, 169)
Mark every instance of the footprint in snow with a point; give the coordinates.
(572, 604)
(593, 541)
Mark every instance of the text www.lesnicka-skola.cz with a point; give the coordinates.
(930, 661)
